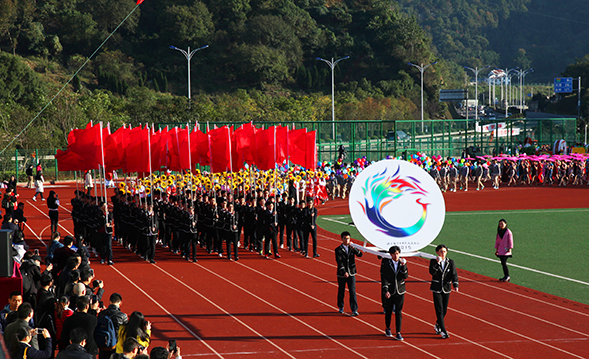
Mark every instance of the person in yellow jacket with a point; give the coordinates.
(138, 328)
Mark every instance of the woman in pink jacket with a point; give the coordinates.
(503, 247)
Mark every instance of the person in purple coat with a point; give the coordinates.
(503, 247)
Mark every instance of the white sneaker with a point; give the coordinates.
(35, 199)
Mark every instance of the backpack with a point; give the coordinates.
(104, 333)
(5, 203)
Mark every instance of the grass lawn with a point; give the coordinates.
(553, 241)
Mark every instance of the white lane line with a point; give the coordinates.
(470, 315)
(36, 235)
(517, 266)
(43, 213)
(226, 312)
(336, 221)
(520, 211)
(327, 305)
(457, 311)
(168, 313)
(65, 208)
(280, 310)
(490, 286)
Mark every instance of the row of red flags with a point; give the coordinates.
(142, 149)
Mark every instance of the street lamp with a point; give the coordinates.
(422, 70)
(332, 65)
(522, 74)
(476, 71)
(188, 54)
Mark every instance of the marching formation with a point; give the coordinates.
(186, 218)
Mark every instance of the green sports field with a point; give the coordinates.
(550, 246)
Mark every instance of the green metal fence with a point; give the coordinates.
(434, 137)
(373, 139)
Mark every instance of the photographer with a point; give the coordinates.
(21, 344)
(93, 286)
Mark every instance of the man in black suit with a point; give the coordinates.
(393, 273)
(83, 320)
(310, 227)
(345, 256)
(444, 277)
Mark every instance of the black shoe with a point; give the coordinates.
(152, 261)
(399, 337)
(277, 256)
(445, 335)
(355, 313)
(388, 333)
(437, 329)
(110, 263)
(236, 259)
(316, 255)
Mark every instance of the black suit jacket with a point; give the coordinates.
(443, 280)
(85, 321)
(393, 282)
(346, 262)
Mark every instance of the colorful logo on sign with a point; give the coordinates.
(395, 202)
(382, 190)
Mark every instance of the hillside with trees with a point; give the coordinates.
(261, 62)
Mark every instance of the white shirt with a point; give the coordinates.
(346, 248)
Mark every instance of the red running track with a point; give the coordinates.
(287, 308)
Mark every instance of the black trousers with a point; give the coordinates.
(341, 290)
(291, 237)
(299, 233)
(270, 236)
(192, 244)
(232, 239)
(150, 250)
(504, 265)
(313, 233)
(249, 237)
(394, 304)
(105, 246)
(54, 217)
(281, 230)
(441, 307)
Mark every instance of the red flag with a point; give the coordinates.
(297, 146)
(86, 144)
(281, 144)
(245, 144)
(265, 142)
(113, 149)
(139, 2)
(220, 147)
(70, 161)
(137, 159)
(311, 157)
(202, 147)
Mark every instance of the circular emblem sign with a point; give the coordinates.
(394, 202)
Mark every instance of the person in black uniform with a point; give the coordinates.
(152, 224)
(290, 220)
(105, 232)
(260, 228)
(201, 212)
(393, 273)
(345, 257)
(310, 227)
(249, 226)
(281, 209)
(298, 229)
(444, 277)
(220, 225)
(193, 235)
(269, 222)
(232, 231)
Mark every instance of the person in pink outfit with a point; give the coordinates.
(503, 247)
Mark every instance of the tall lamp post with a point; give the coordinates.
(522, 76)
(476, 71)
(188, 54)
(422, 70)
(332, 65)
